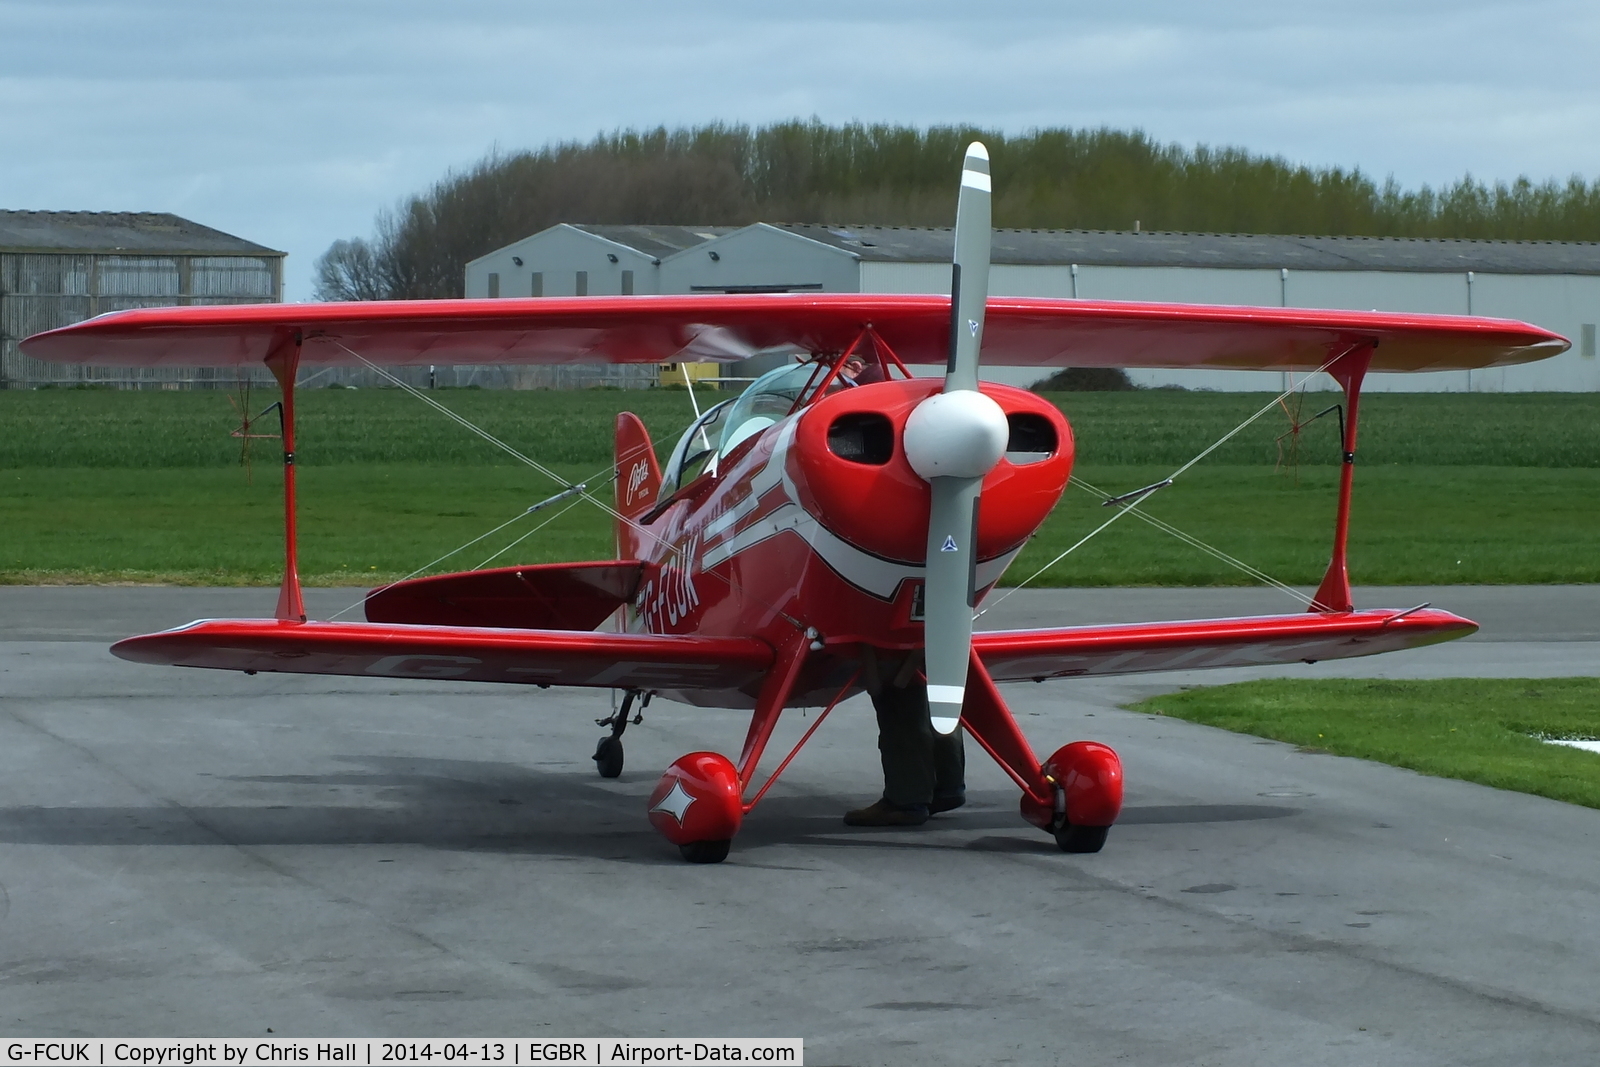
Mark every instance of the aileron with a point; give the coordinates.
(1017, 655)
(538, 657)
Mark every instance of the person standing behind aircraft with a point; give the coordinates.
(924, 771)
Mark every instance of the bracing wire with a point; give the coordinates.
(1231, 434)
(1134, 505)
(688, 383)
(462, 548)
(508, 449)
(460, 420)
(1210, 550)
(578, 488)
(527, 535)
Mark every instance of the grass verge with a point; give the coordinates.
(1478, 730)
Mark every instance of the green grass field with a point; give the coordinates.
(1479, 730)
(106, 428)
(148, 486)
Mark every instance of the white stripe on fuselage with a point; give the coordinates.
(871, 574)
(768, 478)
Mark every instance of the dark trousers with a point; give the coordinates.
(918, 761)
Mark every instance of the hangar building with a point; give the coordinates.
(1552, 284)
(60, 267)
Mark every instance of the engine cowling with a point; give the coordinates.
(850, 466)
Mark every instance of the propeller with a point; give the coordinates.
(952, 439)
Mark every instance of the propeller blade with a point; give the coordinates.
(969, 273)
(948, 595)
(953, 439)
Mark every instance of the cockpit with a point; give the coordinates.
(767, 400)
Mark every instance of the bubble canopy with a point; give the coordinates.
(765, 402)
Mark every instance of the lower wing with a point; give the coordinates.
(531, 657)
(685, 662)
(1018, 655)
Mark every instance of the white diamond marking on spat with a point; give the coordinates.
(972, 324)
(676, 802)
(949, 544)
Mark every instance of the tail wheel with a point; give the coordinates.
(608, 757)
(706, 851)
(1082, 838)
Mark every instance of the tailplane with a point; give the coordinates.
(638, 480)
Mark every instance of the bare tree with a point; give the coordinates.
(349, 270)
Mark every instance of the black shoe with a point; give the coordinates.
(948, 802)
(884, 813)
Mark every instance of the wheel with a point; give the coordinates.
(608, 757)
(1081, 838)
(706, 851)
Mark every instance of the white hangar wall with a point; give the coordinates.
(568, 260)
(761, 258)
(1567, 304)
(562, 261)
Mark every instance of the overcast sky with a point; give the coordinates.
(291, 123)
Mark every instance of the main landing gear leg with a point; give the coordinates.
(608, 753)
(1075, 795)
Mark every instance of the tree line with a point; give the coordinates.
(1055, 178)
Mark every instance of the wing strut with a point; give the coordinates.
(284, 361)
(989, 722)
(1348, 370)
(775, 690)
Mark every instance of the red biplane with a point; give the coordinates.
(810, 538)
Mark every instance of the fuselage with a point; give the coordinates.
(813, 523)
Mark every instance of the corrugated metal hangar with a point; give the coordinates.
(1553, 284)
(61, 267)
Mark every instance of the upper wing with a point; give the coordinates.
(537, 657)
(547, 596)
(1015, 655)
(652, 329)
